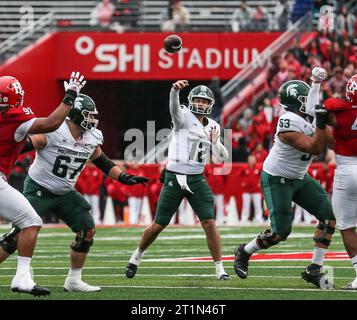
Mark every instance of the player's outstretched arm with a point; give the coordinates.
(318, 75)
(56, 118)
(34, 142)
(174, 104)
(304, 143)
(103, 163)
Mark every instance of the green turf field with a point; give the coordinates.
(160, 277)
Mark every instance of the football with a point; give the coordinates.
(173, 43)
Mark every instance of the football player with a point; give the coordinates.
(342, 116)
(60, 158)
(284, 177)
(193, 136)
(16, 121)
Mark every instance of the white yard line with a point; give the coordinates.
(181, 275)
(166, 267)
(214, 288)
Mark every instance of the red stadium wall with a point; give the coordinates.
(42, 67)
(34, 67)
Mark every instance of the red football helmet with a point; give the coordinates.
(351, 90)
(11, 93)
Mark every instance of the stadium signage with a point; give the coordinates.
(141, 55)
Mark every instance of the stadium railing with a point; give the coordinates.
(248, 84)
(26, 36)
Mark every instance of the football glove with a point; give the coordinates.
(130, 179)
(321, 116)
(73, 87)
(318, 74)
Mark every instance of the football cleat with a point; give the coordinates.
(351, 286)
(313, 274)
(130, 270)
(224, 277)
(36, 291)
(24, 284)
(241, 261)
(75, 285)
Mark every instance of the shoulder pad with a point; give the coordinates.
(335, 104)
(98, 136)
(290, 121)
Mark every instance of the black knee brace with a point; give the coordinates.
(326, 229)
(268, 236)
(80, 244)
(8, 241)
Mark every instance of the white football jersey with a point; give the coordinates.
(189, 147)
(58, 165)
(284, 160)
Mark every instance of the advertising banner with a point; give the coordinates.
(140, 56)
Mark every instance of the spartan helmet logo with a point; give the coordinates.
(78, 103)
(291, 91)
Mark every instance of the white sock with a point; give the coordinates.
(75, 273)
(136, 257)
(23, 265)
(319, 255)
(219, 268)
(252, 247)
(354, 263)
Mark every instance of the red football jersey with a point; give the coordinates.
(9, 148)
(345, 132)
(249, 179)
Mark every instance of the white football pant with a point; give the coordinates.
(344, 197)
(93, 200)
(258, 209)
(299, 213)
(219, 202)
(15, 208)
(134, 209)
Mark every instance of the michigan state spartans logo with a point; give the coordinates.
(292, 91)
(78, 103)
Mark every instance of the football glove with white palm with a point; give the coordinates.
(318, 74)
(73, 87)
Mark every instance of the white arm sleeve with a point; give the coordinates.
(175, 109)
(313, 98)
(219, 152)
(23, 129)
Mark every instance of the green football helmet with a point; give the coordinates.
(83, 111)
(204, 93)
(293, 96)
